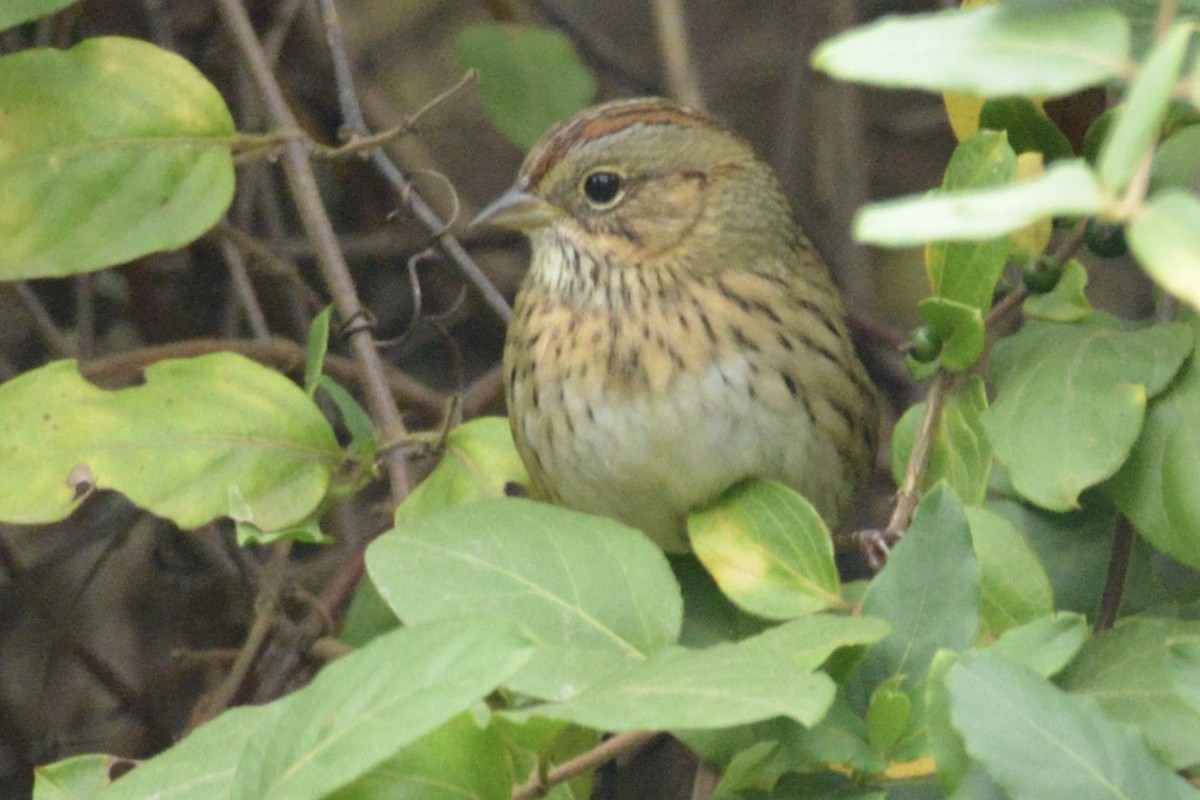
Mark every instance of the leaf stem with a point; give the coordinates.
(909, 492)
(1118, 569)
(538, 786)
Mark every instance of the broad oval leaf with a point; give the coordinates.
(1013, 584)
(364, 708)
(1176, 161)
(768, 550)
(81, 777)
(1070, 400)
(1027, 127)
(461, 760)
(529, 78)
(1128, 670)
(767, 675)
(203, 437)
(1165, 237)
(1140, 119)
(1038, 742)
(994, 51)
(967, 272)
(599, 596)
(1156, 488)
(109, 151)
(200, 766)
(1066, 188)
(479, 461)
(1045, 645)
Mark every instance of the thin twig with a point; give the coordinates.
(484, 392)
(56, 341)
(85, 315)
(704, 785)
(266, 608)
(316, 222)
(1118, 569)
(673, 43)
(360, 141)
(909, 492)
(607, 750)
(243, 288)
(271, 263)
(355, 125)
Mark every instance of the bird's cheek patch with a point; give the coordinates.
(665, 209)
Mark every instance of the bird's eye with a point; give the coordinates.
(602, 188)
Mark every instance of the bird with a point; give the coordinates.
(676, 333)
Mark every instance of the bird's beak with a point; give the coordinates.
(517, 209)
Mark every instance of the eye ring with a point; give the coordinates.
(603, 188)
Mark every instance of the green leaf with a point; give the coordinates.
(709, 617)
(1184, 663)
(1156, 487)
(768, 550)
(201, 438)
(480, 460)
(201, 765)
(1015, 588)
(839, 738)
(1045, 645)
(926, 615)
(1070, 401)
(1027, 127)
(1128, 671)
(958, 327)
(308, 531)
(363, 708)
(961, 455)
(967, 272)
(765, 676)
(1165, 237)
(14, 12)
(1176, 161)
(599, 596)
(463, 759)
(746, 769)
(1137, 125)
(887, 716)
(529, 77)
(1067, 188)
(954, 767)
(994, 51)
(1038, 742)
(314, 353)
(76, 778)
(363, 442)
(1066, 302)
(109, 151)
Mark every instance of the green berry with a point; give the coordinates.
(1105, 239)
(923, 345)
(1042, 275)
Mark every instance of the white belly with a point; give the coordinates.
(648, 459)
